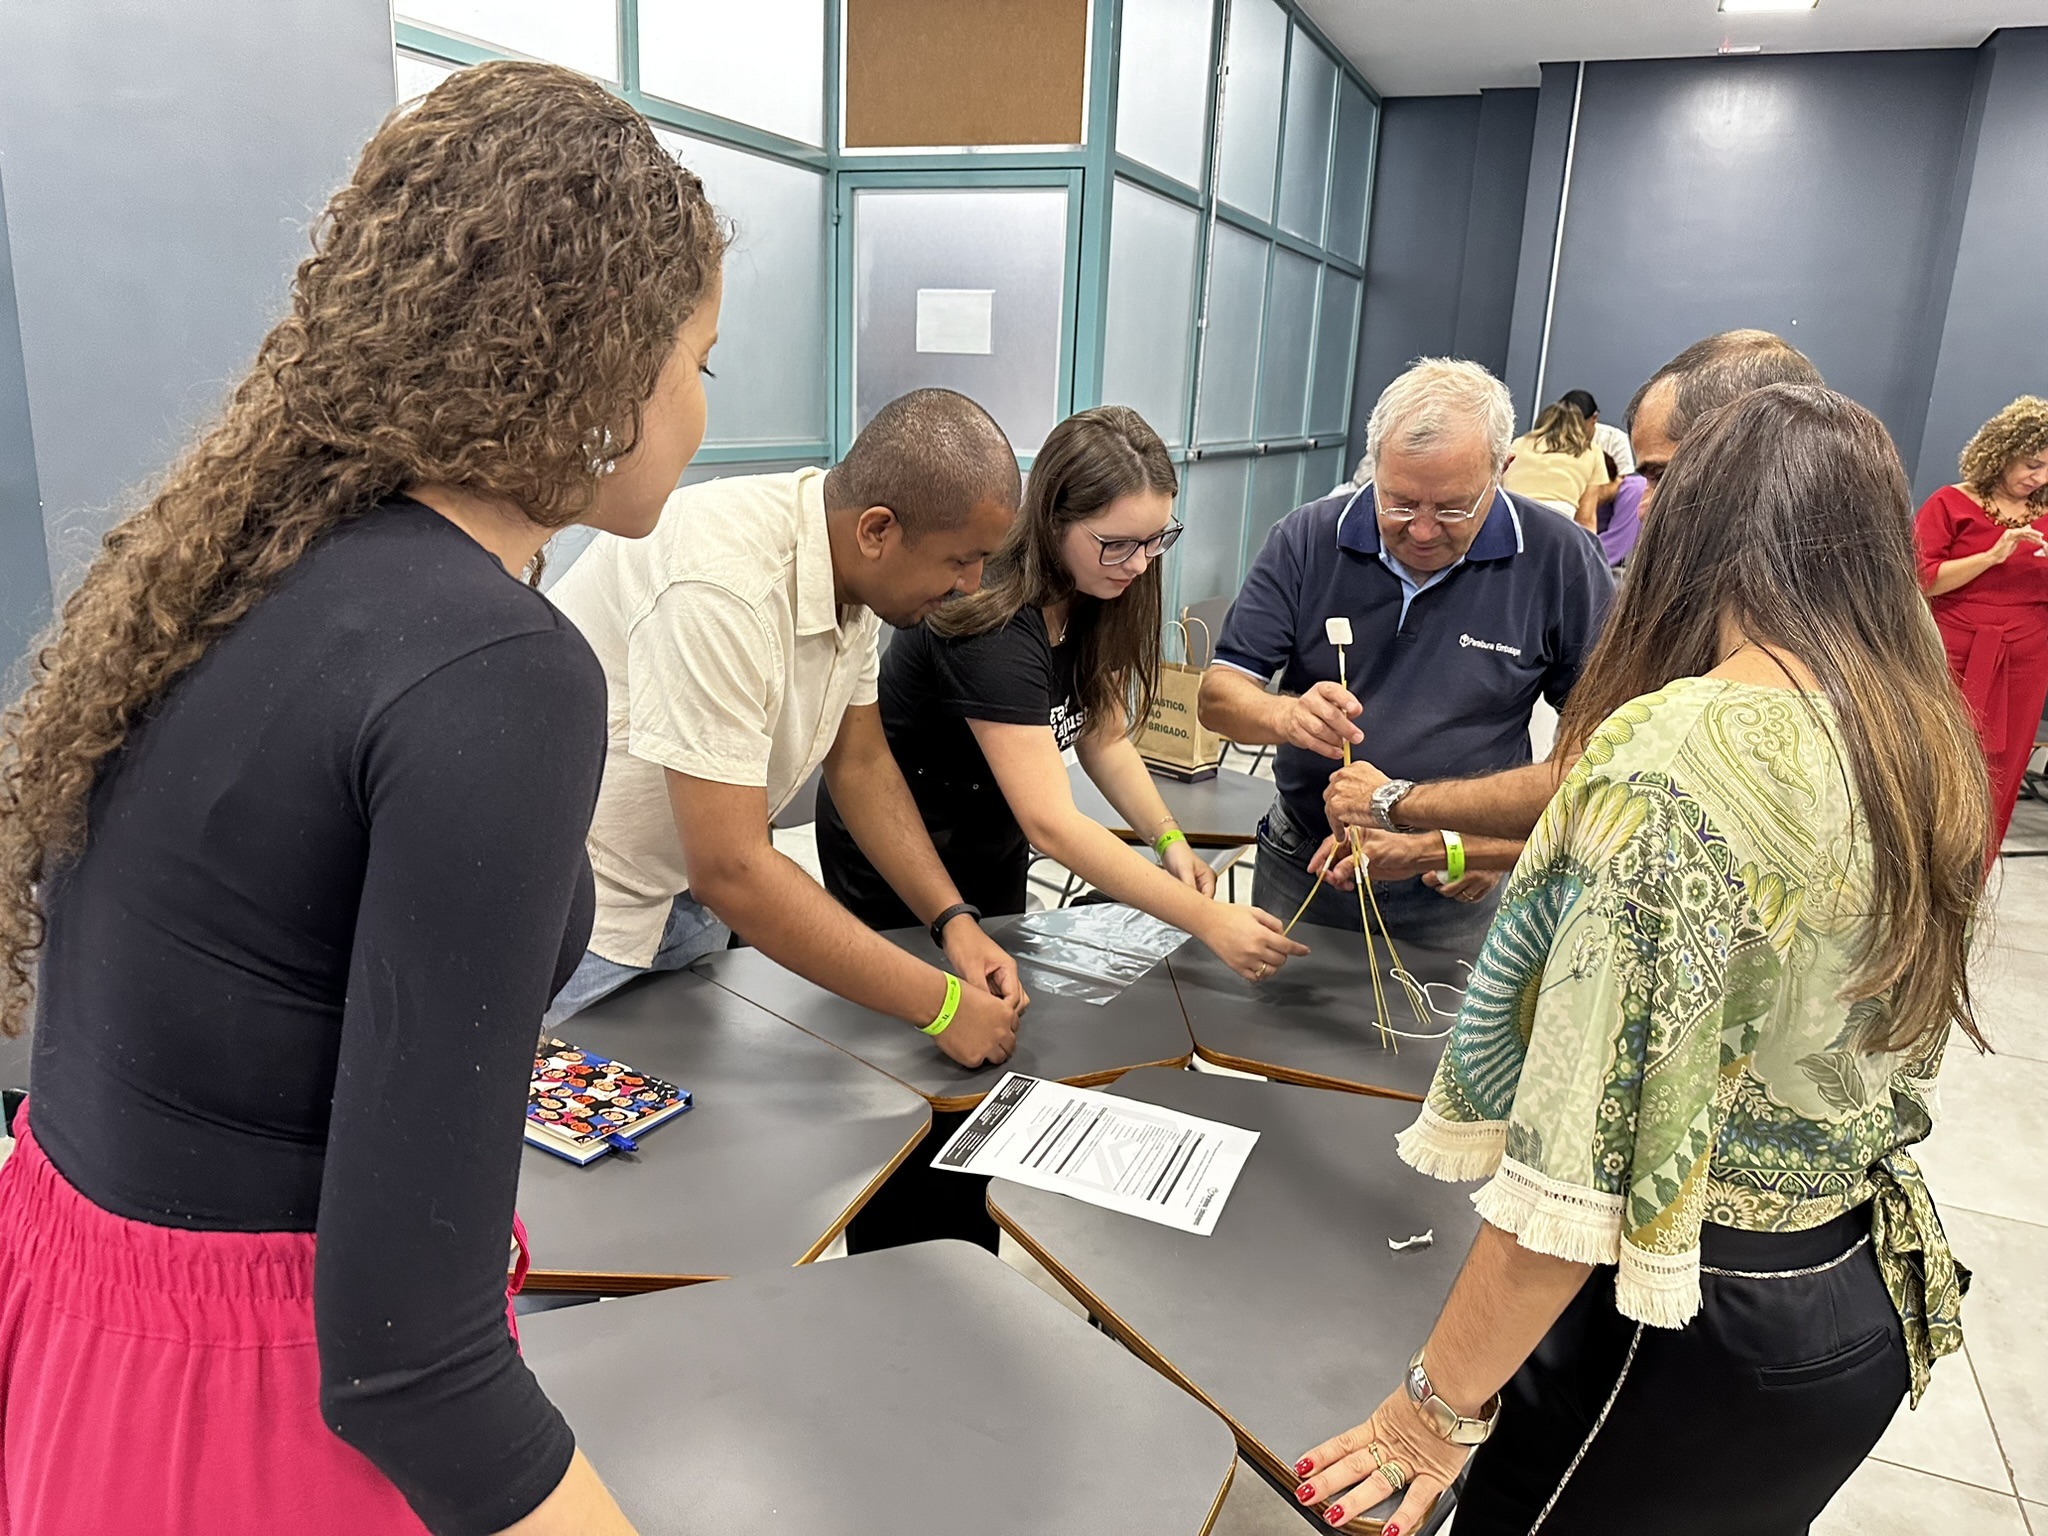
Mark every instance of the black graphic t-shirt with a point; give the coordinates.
(930, 688)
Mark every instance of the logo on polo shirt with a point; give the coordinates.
(1489, 645)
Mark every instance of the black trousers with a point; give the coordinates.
(1747, 1420)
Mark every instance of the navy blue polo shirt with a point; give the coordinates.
(1448, 674)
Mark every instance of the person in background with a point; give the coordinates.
(1982, 544)
(1466, 604)
(1613, 512)
(1555, 461)
(740, 656)
(1705, 1031)
(1709, 373)
(1609, 439)
(292, 817)
(1059, 649)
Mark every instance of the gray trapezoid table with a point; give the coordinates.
(1293, 1318)
(1312, 1021)
(1059, 1038)
(1223, 812)
(919, 1390)
(787, 1140)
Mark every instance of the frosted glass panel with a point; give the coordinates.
(1336, 353)
(417, 76)
(1290, 332)
(1162, 88)
(762, 62)
(1145, 347)
(770, 362)
(583, 34)
(1208, 551)
(1273, 495)
(1352, 174)
(1305, 162)
(1256, 54)
(1321, 473)
(919, 258)
(1230, 357)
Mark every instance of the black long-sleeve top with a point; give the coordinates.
(294, 979)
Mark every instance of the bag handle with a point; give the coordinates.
(1186, 623)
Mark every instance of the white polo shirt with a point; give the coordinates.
(726, 657)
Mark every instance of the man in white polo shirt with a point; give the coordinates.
(739, 649)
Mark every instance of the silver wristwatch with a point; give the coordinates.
(1384, 799)
(1448, 1423)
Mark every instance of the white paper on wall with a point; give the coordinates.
(958, 320)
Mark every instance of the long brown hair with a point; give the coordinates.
(1788, 511)
(1563, 428)
(1088, 461)
(489, 302)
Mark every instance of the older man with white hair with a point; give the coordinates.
(1464, 604)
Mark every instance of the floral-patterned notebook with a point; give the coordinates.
(583, 1105)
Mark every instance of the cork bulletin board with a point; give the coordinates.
(938, 73)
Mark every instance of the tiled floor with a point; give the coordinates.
(1974, 1457)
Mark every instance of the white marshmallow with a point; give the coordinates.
(1338, 631)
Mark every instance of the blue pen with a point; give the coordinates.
(620, 1143)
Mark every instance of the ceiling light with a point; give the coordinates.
(1727, 48)
(1733, 6)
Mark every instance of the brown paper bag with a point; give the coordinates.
(1172, 740)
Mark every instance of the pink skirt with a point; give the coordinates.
(161, 1382)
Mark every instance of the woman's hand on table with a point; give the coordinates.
(1251, 942)
(1344, 1474)
(1184, 865)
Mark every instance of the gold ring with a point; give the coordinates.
(1396, 1475)
(1378, 1453)
(1262, 970)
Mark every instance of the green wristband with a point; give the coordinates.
(1454, 858)
(951, 1007)
(1167, 839)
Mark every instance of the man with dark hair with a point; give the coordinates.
(739, 648)
(1705, 375)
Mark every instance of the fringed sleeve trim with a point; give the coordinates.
(1452, 1150)
(1660, 1289)
(1566, 1221)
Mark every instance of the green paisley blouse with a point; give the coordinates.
(1655, 1036)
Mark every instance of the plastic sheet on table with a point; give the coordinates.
(1043, 983)
(1076, 959)
(1106, 926)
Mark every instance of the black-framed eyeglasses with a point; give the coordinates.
(1118, 551)
(1452, 515)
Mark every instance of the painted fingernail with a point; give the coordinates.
(1390, 1530)
(1334, 1515)
(1305, 1493)
(1303, 1467)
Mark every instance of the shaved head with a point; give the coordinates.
(931, 457)
(1710, 373)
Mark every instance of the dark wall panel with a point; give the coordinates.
(1805, 194)
(1994, 342)
(1493, 227)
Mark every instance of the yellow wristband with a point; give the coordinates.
(1454, 858)
(1167, 839)
(951, 1007)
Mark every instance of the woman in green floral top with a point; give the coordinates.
(1705, 1028)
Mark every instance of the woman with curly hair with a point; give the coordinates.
(291, 855)
(1992, 608)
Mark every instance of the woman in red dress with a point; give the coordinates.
(1984, 565)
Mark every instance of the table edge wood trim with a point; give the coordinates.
(1222, 1494)
(1302, 1079)
(1082, 1080)
(606, 1282)
(1248, 1444)
(846, 1216)
(1196, 839)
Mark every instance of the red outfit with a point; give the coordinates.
(1996, 632)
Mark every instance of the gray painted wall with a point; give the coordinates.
(1994, 340)
(163, 163)
(24, 569)
(1446, 236)
(1805, 194)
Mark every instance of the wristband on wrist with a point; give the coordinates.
(1167, 839)
(958, 909)
(1454, 858)
(948, 1009)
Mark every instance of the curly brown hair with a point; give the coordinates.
(489, 302)
(2018, 432)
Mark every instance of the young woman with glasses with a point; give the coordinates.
(1059, 648)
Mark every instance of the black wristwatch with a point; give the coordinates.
(938, 929)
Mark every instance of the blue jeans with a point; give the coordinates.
(1411, 910)
(691, 933)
